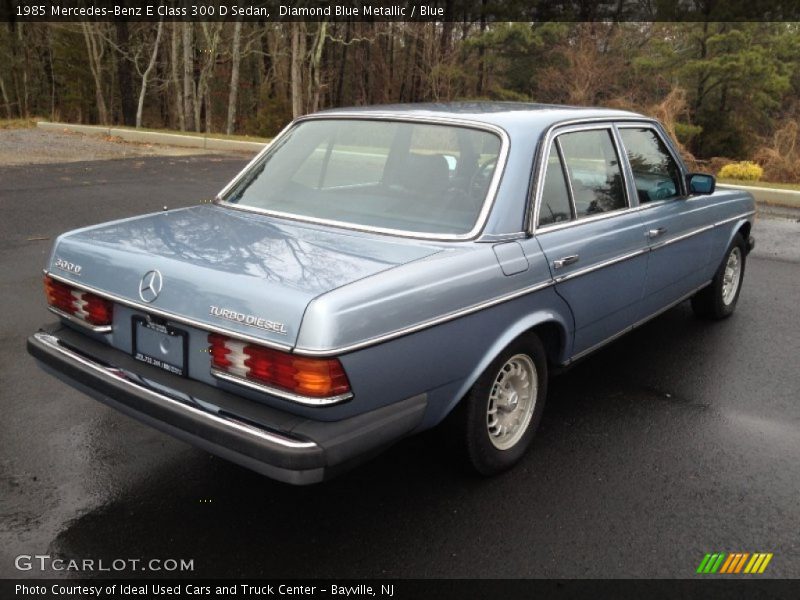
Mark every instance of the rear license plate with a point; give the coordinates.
(160, 345)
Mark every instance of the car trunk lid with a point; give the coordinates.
(246, 273)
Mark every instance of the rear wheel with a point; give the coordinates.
(718, 299)
(503, 409)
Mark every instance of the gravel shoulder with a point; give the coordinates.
(35, 146)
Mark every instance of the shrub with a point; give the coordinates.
(744, 171)
(715, 164)
(781, 159)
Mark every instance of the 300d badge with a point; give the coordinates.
(67, 266)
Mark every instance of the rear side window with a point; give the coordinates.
(594, 171)
(555, 206)
(655, 172)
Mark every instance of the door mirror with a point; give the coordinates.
(701, 183)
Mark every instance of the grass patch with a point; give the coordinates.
(764, 184)
(18, 123)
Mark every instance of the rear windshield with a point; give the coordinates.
(412, 177)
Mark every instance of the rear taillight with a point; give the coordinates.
(310, 377)
(84, 306)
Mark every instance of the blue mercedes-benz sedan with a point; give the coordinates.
(375, 271)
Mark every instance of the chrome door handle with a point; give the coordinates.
(567, 260)
(654, 233)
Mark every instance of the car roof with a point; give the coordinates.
(508, 115)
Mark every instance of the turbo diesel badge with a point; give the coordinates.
(245, 319)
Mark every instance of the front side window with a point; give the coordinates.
(655, 172)
(411, 177)
(594, 171)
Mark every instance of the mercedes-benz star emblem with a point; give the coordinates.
(150, 286)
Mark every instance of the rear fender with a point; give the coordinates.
(523, 325)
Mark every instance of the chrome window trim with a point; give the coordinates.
(81, 322)
(609, 127)
(638, 208)
(540, 164)
(149, 308)
(630, 182)
(54, 343)
(592, 219)
(260, 387)
(565, 174)
(649, 205)
(483, 214)
(493, 238)
(567, 182)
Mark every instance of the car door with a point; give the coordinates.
(592, 236)
(678, 227)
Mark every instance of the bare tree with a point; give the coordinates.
(5, 98)
(124, 75)
(298, 51)
(233, 92)
(146, 74)
(174, 78)
(315, 66)
(188, 75)
(95, 48)
(211, 35)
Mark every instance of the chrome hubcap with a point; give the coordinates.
(512, 401)
(732, 276)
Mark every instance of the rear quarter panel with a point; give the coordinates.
(429, 326)
(444, 360)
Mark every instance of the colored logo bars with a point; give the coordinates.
(734, 563)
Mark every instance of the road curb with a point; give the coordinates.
(154, 137)
(769, 196)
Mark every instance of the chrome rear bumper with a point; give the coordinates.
(307, 453)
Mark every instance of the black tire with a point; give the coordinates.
(481, 451)
(710, 302)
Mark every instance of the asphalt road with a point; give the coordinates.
(682, 438)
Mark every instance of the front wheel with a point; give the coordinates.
(504, 407)
(718, 299)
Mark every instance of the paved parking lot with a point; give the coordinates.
(682, 438)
